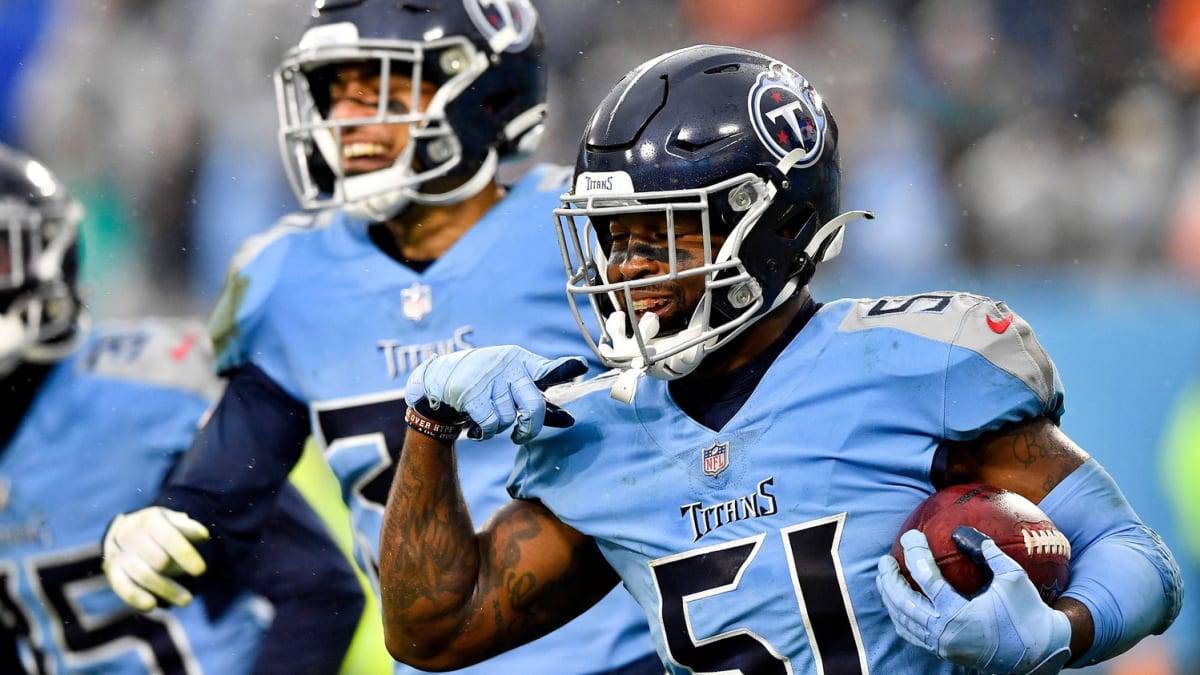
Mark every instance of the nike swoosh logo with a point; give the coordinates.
(1000, 326)
(179, 351)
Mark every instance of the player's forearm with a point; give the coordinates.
(429, 558)
(1082, 629)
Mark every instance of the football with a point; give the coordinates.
(1017, 525)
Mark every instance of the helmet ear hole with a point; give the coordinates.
(792, 226)
(499, 101)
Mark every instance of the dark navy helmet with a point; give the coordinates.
(741, 138)
(484, 57)
(40, 309)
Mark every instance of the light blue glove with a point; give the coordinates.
(1006, 628)
(493, 387)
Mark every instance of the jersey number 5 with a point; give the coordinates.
(90, 641)
(817, 582)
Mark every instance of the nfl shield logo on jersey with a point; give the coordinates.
(716, 459)
(416, 301)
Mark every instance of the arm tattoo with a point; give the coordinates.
(1041, 447)
(538, 605)
(433, 556)
(1035, 454)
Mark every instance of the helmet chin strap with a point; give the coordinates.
(628, 348)
(470, 188)
(367, 196)
(15, 337)
(371, 196)
(49, 352)
(635, 350)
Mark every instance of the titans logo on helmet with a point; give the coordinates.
(512, 21)
(787, 113)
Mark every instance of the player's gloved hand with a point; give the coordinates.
(144, 549)
(1006, 628)
(489, 388)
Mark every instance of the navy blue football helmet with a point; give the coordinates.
(740, 138)
(40, 311)
(484, 57)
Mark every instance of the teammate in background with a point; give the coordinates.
(394, 117)
(747, 492)
(91, 421)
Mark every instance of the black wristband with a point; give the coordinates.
(431, 427)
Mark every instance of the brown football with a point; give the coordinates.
(1017, 525)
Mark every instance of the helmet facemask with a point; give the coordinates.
(667, 353)
(753, 271)
(311, 142)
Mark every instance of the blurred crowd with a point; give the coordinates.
(986, 134)
(990, 136)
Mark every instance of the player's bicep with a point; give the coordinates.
(537, 573)
(1028, 457)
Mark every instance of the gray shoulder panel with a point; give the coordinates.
(557, 178)
(169, 353)
(980, 324)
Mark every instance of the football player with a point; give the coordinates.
(746, 466)
(394, 119)
(91, 421)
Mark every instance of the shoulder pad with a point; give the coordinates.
(289, 224)
(238, 303)
(973, 322)
(169, 353)
(554, 178)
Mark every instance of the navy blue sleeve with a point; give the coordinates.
(317, 598)
(240, 460)
(265, 536)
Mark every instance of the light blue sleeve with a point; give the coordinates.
(1120, 568)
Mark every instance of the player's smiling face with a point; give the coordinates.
(640, 251)
(355, 92)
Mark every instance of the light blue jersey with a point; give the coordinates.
(107, 424)
(754, 548)
(329, 317)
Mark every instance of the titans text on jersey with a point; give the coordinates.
(729, 553)
(705, 519)
(400, 358)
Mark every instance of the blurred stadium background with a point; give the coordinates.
(1043, 153)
